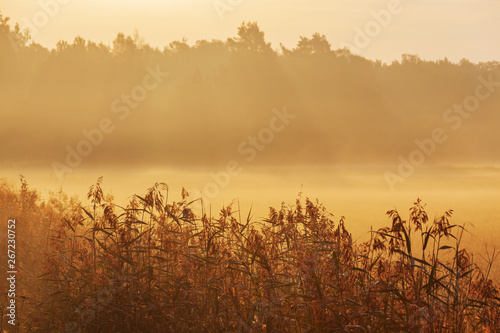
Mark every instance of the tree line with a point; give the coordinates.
(349, 109)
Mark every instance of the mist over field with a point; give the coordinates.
(244, 119)
(203, 100)
(75, 112)
(238, 185)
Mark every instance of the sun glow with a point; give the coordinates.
(469, 32)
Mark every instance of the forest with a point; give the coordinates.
(212, 94)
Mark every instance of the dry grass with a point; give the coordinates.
(154, 266)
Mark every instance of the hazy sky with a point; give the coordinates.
(431, 28)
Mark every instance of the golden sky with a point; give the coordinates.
(434, 29)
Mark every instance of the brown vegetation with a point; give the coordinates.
(154, 266)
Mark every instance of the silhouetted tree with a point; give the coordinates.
(250, 39)
(12, 40)
(318, 44)
(123, 44)
(349, 107)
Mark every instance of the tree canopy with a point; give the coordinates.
(351, 109)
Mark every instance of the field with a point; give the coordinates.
(257, 166)
(153, 265)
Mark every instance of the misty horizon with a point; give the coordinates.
(227, 92)
(250, 166)
(395, 27)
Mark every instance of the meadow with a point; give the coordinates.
(153, 265)
(358, 133)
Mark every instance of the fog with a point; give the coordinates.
(236, 119)
(195, 105)
(360, 194)
(310, 185)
